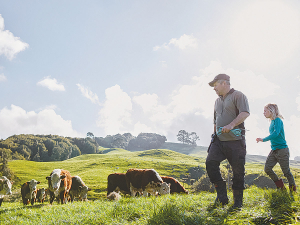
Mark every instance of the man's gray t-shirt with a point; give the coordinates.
(226, 110)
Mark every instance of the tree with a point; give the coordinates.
(187, 138)
(183, 136)
(90, 134)
(146, 141)
(194, 138)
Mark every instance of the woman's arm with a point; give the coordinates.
(276, 130)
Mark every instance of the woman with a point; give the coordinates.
(280, 151)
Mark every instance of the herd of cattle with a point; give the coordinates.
(64, 187)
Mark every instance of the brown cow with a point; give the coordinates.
(5, 188)
(146, 181)
(59, 183)
(176, 187)
(40, 195)
(78, 189)
(28, 191)
(117, 182)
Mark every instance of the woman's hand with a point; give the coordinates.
(259, 139)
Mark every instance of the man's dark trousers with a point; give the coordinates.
(235, 153)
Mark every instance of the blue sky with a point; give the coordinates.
(108, 67)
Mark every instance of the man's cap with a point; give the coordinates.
(219, 77)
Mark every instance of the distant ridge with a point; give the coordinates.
(201, 151)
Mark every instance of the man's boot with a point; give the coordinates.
(221, 192)
(238, 198)
(279, 184)
(293, 188)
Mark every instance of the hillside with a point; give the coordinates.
(201, 151)
(94, 168)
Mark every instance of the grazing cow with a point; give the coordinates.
(40, 195)
(146, 181)
(78, 189)
(5, 188)
(176, 187)
(117, 182)
(59, 183)
(114, 196)
(28, 191)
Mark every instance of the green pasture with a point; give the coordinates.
(95, 168)
(261, 206)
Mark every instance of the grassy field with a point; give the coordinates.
(261, 206)
(94, 169)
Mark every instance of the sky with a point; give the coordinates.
(108, 67)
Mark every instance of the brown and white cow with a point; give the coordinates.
(59, 183)
(78, 189)
(147, 181)
(176, 187)
(5, 188)
(117, 182)
(40, 195)
(28, 191)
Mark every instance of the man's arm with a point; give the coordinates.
(238, 120)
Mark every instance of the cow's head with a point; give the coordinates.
(55, 180)
(164, 188)
(83, 190)
(32, 186)
(5, 186)
(43, 193)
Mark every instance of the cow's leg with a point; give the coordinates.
(132, 191)
(32, 201)
(62, 197)
(1, 200)
(145, 193)
(51, 197)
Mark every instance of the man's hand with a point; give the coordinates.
(227, 128)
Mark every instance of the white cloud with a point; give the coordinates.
(146, 101)
(298, 102)
(17, 121)
(9, 44)
(141, 128)
(2, 77)
(88, 94)
(265, 33)
(51, 84)
(291, 128)
(185, 41)
(115, 116)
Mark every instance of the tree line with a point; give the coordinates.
(46, 148)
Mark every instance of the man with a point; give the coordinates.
(228, 141)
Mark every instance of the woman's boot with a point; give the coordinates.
(279, 184)
(293, 188)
